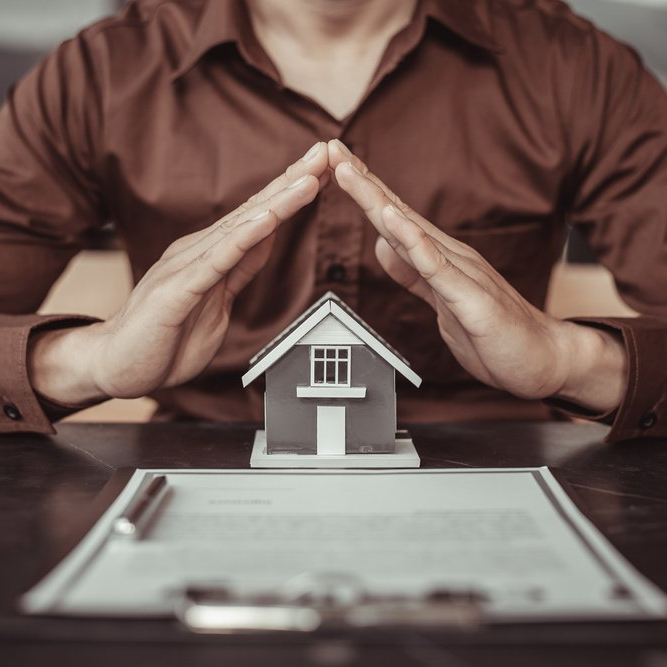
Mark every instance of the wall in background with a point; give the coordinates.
(31, 28)
(640, 23)
(40, 25)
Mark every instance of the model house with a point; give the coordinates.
(330, 384)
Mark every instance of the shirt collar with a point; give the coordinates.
(462, 18)
(221, 22)
(227, 21)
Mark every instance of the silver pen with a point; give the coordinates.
(135, 516)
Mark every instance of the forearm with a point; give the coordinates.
(58, 364)
(596, 364)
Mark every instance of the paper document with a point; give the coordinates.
(511, 538)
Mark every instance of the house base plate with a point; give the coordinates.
(405, 456)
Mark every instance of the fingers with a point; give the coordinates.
(435, 263)
(402, 272)
(218, 254)
(372, 195)
(339, 154)
(314, 163)
(195, 264)
(283, 205)
(209, 267)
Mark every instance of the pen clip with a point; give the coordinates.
(136, 517)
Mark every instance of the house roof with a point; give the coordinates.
(329, 304)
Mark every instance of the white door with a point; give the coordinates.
(330, 430)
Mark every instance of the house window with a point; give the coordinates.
(330, 366)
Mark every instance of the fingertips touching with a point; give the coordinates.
(315, 161)
(338, 152)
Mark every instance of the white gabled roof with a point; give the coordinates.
(329, 304)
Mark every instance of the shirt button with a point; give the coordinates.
(12, 411)
(649, 420)
(336, 273)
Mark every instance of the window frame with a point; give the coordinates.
(335, 361)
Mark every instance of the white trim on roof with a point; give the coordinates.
(375, 344)
(329, 306)
(288, 342)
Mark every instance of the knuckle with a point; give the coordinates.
(403, 207)
(226, 225)
(291, 172)
(242, 208)
(204, 257)
(361, 166)
(393, 242)
(253, 201)
(443, 263)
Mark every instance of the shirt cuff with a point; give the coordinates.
(21, 408)
(643, 410)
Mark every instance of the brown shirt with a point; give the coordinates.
(501, 121)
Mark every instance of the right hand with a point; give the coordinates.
(176, 318)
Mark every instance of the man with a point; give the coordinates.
(497, 122)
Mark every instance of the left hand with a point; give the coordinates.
(493, 332)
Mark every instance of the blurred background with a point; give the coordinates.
(98, 280)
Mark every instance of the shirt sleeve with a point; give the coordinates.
(49, 202)
(643, 410)
(23, 410)
(617, 129)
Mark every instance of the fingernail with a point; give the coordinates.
(297, 183)
(261, 215)
(344, 149)
(312, 152)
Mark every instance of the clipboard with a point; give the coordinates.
(317, 595)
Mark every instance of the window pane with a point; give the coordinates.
(342, 353)
(331, 353)
(318, 372)
(342, 372)
(330, 372)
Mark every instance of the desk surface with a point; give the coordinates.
(46, 484)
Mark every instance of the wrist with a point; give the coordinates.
(59, 365)
(596, 368)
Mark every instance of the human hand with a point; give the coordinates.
(493, 332)
(177, 316)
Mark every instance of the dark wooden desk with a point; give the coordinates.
(46, 484)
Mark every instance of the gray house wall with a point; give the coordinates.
(291, 422)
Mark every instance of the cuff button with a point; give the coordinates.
(649, 420)
(12, 411)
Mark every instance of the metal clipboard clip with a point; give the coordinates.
(317, 601)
